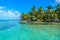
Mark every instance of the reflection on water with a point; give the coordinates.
(28, 31)
(7, 24)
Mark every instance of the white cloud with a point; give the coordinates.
(57, 1)
(9, 15)
(1, 7)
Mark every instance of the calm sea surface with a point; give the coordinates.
(11, 30)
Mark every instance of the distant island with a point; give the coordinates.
(37, 16)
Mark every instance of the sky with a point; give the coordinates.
(11, 9)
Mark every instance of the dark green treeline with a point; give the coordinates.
(49, 15)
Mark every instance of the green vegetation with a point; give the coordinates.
(40, 15)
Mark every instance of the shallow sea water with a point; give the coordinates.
(11, 30)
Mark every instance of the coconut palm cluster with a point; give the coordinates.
(40, 15)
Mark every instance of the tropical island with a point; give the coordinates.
(40, 15)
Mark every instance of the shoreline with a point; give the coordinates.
(43, 23)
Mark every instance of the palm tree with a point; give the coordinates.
(33, 13)
(58, 10)
(53, 15)
(48, 13)
(40, 14)
(22, 16)
(25, 17)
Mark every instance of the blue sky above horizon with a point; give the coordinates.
(13, 7)
(25, 5)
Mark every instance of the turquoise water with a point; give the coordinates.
(11, 30)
